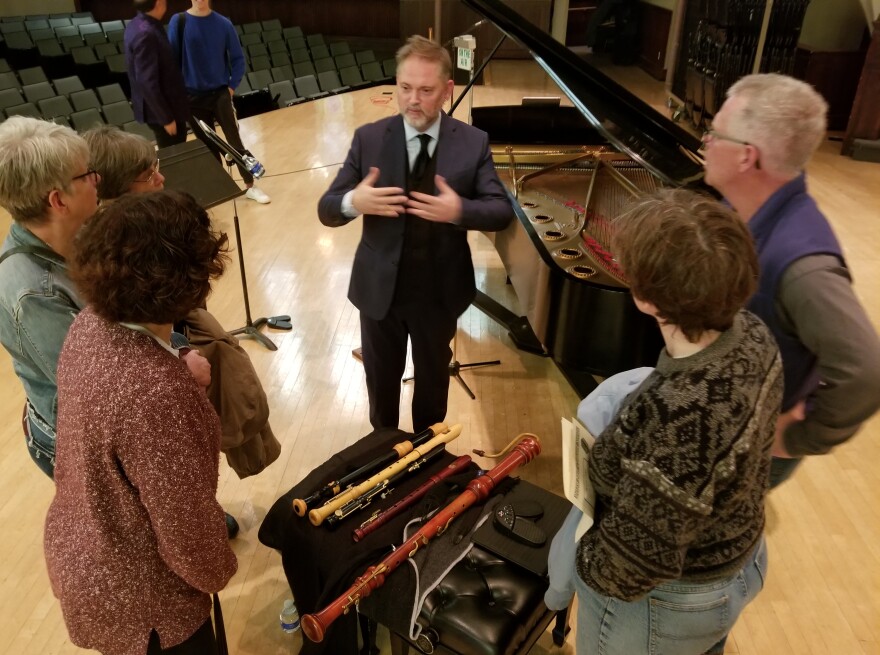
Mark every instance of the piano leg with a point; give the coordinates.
(519, 330)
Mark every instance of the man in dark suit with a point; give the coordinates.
(421, 180)
(158, 96)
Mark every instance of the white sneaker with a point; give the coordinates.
(257, 195)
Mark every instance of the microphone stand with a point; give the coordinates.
(251, 327)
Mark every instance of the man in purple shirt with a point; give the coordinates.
(158, 96)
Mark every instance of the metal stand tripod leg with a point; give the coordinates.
(251, 328)
(455, 368)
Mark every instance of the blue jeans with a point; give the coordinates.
(674, 618)
(40, 445)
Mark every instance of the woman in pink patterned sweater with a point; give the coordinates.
(135, 540)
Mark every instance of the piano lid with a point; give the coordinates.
(628, 123)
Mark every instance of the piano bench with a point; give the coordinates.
(484, 606)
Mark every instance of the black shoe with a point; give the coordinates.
(231, 525)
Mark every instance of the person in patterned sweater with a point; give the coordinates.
(677, 548)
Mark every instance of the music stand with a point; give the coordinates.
(191, 167)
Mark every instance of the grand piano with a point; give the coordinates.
(570, 172)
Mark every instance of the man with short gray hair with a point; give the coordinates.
(48, 188)
(756, 152)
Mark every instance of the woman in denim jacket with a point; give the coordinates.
(48, 188)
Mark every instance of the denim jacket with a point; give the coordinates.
(38, 303)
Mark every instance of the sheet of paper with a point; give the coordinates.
(576, 445)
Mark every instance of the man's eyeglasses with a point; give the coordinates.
(153, 170)
(714, 135)
(91, 173)
(711, 135)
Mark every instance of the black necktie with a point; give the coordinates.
(422, 159)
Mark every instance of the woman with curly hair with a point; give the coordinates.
(135, 540)
(128, 164)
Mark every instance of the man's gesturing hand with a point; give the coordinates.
(381, 201)
(442, 208)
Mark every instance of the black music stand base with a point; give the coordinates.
(253, 332)
(455, 368)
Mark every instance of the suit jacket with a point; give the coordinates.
(157, 92)
(463, 158)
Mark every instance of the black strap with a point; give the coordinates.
(220, 628)
(181, 24)
(45, 253)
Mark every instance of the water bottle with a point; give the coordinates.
(254, 167)
(289, 617)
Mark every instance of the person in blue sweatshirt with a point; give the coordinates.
(210, 56)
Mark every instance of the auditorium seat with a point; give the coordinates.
(277, 47)
(32, 75)
(10, 98)
(324, 65)
(283, 93)
(372, 72)
(307, 87)
(110, 93)
(85, 99)
(280, 73)
(271, 25)
(69, 42)
(339, 48)
(65, 86)
(9, 80)
(250, 39)
(36, 92)
(319, 52)
(24, 109)
(67, 30)
(303, 68)
(344, 61)
(351, 76)
(364, 56)
(118, 113)
(329, 81)
(55, 106)
(260, 79)
(94, 38)
(300, 55)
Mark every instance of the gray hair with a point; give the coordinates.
(36, 157)
(784, 118)
(119, 157)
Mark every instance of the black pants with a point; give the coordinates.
(217, 106)
(163, 139)
(202, 642)
(384, 345)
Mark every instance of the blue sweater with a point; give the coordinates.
(211, 54)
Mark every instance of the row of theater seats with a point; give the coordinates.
(66, 101)
(65, 45)
(283, 61)
(295, 67)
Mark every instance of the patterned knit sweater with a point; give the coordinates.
(135, 539)
(682, 471)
